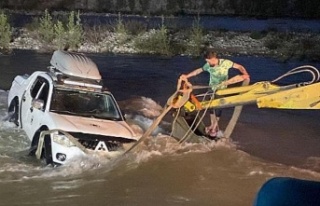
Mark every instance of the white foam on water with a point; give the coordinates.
(313, 163)
(150, 107)
(141, 112)
(142, 105)
(257, 167)
(144, 123)
(66, 185)
(164, 145)
(14, 170)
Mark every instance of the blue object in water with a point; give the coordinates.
(285, 191)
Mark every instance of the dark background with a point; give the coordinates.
(252, 8)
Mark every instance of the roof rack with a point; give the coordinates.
(75, 65)
(74, 69)
(61, 78)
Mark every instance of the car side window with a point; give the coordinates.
(36, 87)
(40, 90)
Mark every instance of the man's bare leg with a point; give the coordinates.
(213, 128)
(214, 122)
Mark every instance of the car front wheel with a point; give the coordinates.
(47, 151)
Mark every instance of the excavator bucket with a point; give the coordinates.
(189, 129)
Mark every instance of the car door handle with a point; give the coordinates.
(24, 99)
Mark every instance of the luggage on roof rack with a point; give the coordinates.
(74, 65)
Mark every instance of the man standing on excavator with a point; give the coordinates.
(218, 71)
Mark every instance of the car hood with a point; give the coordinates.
(71, 123)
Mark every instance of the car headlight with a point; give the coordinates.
(61, 139)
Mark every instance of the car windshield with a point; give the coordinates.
(86, 104)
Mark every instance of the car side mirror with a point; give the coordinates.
(38, 104)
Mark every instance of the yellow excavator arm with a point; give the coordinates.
(305, 97)
(188, 126)
(264, 94)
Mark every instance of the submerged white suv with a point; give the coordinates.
(66, 112)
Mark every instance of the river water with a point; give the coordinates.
(266, 143)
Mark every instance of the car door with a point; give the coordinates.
(31, 112)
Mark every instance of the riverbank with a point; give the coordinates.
(225, 42)
(135, 38)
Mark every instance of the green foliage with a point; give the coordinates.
(96, 33)
(5, 31)
(120, 30)
(294, 45)
(134, 27)
(272, 43)
(46, 27)
(60, 33)
(123, 29)
(53, 31)
(306, 47)
(178, 47)
(276, 40)
(196, 38)
(119, 27)
(162, 38)
(157, 41)
(74, 30)
(258, 34)
(33, 25)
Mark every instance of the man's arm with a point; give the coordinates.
(191, 74)
(238, 78)
(242, 70)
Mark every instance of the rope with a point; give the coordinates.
(306, 68)
(174, 120)
(237, 110)
(185, 137)
(172, 104)
(150, 129)
(231, 125)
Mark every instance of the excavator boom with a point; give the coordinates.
(264, 95)
(188, 125)
(305, 97)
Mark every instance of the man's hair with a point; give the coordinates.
(210, 53)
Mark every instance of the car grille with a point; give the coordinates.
(92, 144)
(91, 141)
